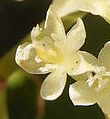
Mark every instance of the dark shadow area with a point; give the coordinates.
(17, 19)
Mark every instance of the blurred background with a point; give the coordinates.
(19, 91)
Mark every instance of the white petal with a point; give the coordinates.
(76, 36)
(36, 31)
(82, 77)
(105, 105)
(103, 99)
(89, 57)
(53, 85)
(104, 56)
(64, 7)
(54, 25)
(87, 63)
(81, 94)
(96, 7)
(25, 58)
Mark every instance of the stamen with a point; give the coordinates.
(99, 80)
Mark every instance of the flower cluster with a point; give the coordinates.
(96, 87)
(58, 53)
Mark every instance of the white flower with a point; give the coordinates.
(97, 88)
(56, 52)
(96, 7)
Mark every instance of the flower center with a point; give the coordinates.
(99, 80)
(48, 53)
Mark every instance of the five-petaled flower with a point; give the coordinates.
(55, 53)
(96, 89)
(96, 7)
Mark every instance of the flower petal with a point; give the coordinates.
(53, 85)
(103, 99)
(104, 56)
(82, 77)
(76, 36)
(25, 58)
(54, 25)
(36, 31)
(105, 105)
(96, 7)
(87, 63)
(89, 57)
(81, 94)
(64, 7)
